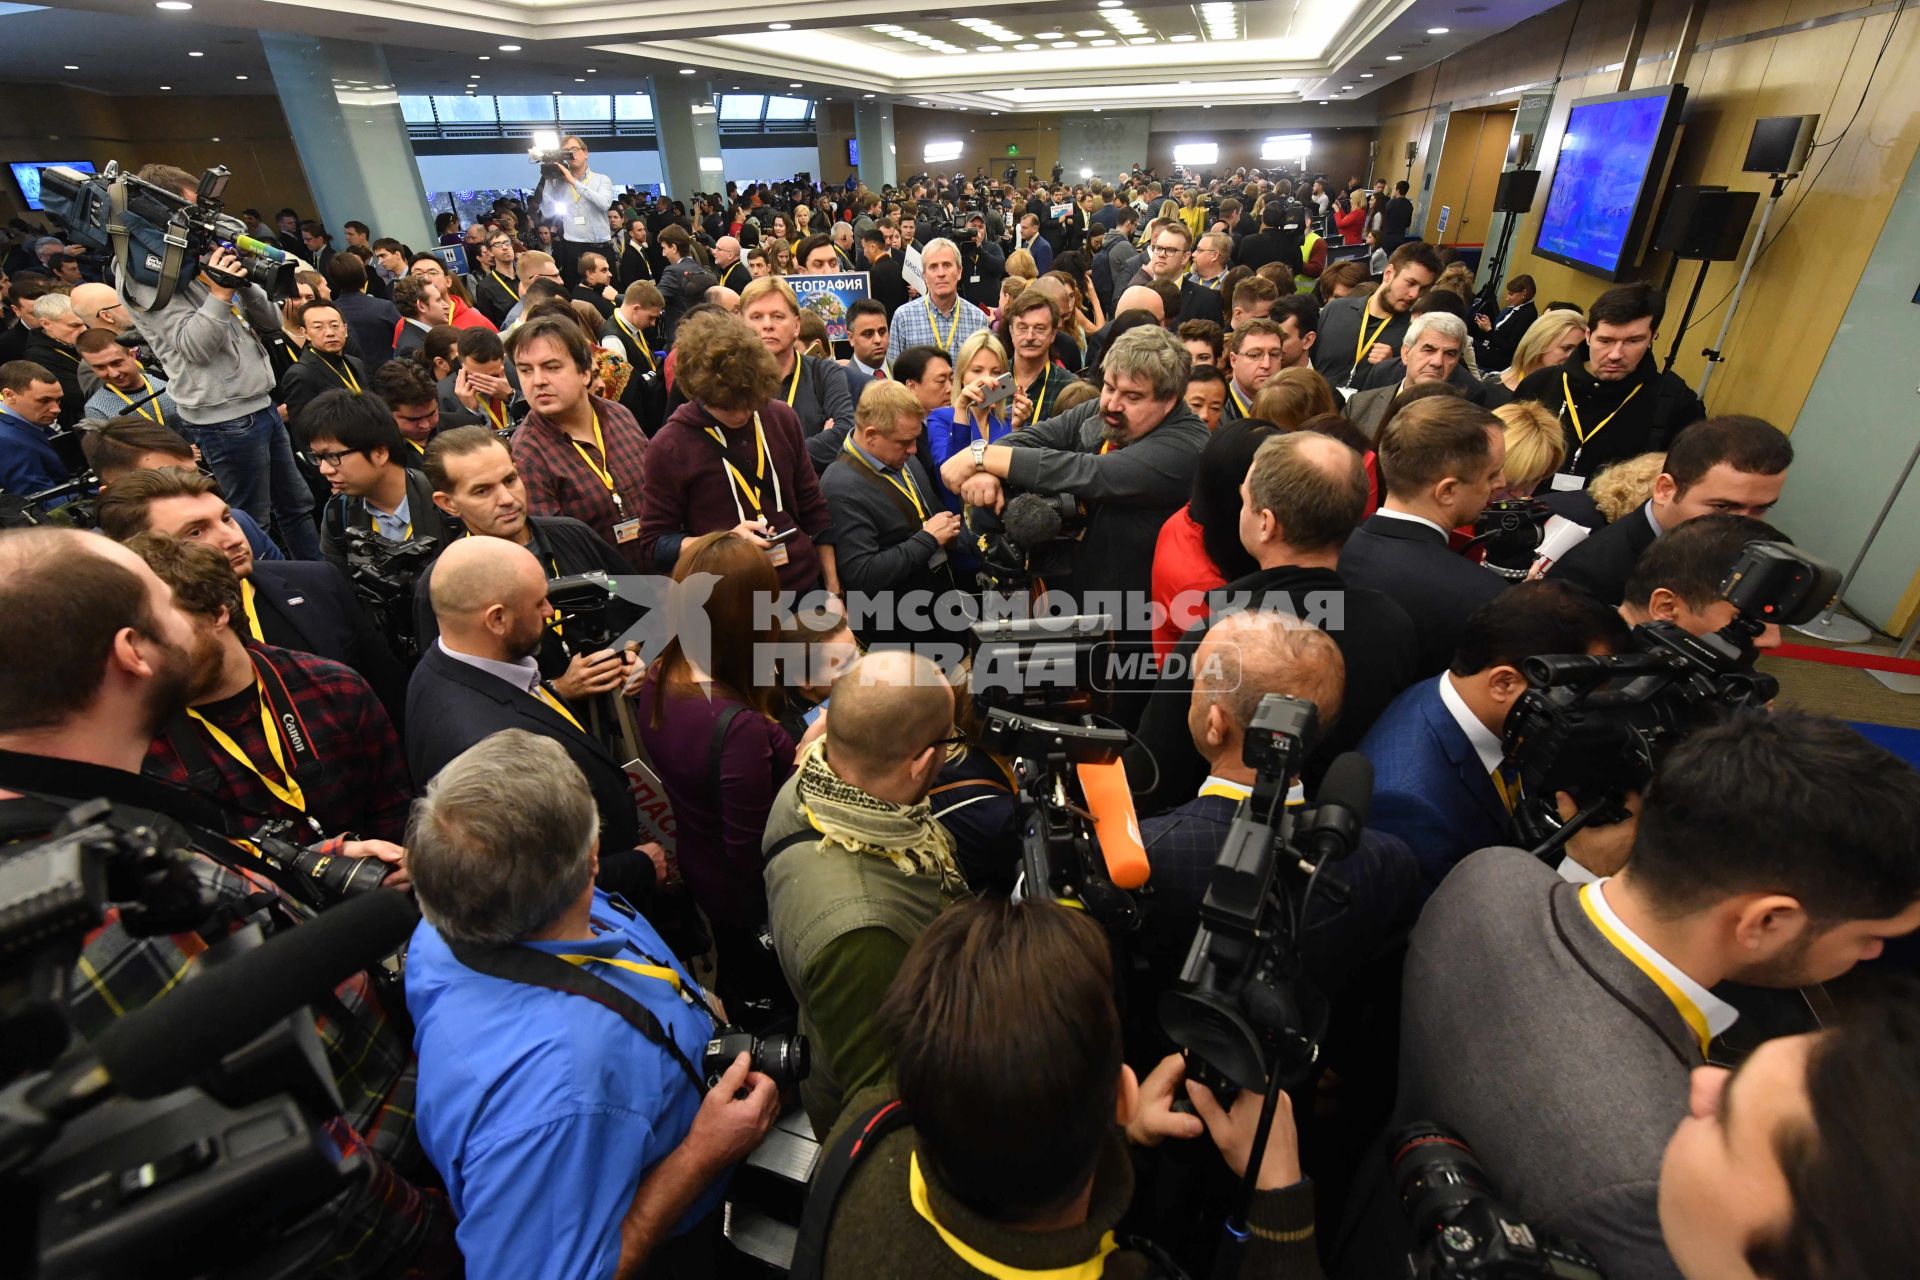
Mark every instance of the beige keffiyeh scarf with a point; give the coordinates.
(850, 819)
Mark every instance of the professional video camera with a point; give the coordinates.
(1595, 727)
(1025, 540)
(157, 237)
(384, 573)
(1459, 1228)
(1510, 531)
(597, 611)
(547, 150)
(191, 1137)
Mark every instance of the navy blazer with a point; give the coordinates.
(858, 380)
(1429, 787)
(310, 605)
(1412, 563)
(451, 705)
(1602, 564)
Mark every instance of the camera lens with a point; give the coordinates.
(785, 1059)
(342, 877)
(1435, 1172)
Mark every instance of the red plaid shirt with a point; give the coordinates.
(359, 781)
(560, 482)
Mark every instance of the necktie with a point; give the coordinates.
(1506, 780)
(880, 374)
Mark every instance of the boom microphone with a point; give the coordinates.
(1030, 520)
(1346, 793)
(225, 1006)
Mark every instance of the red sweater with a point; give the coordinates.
(1181, 565)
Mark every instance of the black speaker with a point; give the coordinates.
(1705, 223)
(1515, 193)
(1780, 144)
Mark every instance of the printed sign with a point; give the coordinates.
(829, 296)
(1446, 214)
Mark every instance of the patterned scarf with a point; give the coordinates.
(849, 818)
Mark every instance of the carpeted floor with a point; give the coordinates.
(1844, 692)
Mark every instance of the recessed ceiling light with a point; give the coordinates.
(1325, 103)
(779, 26)
(592, 70)
(686, 71)
(1048, 35)
(579, 79)
(1206, 106)
(196, 54)
(486, 57)
(1101, 44)
(70, 67)
(1084, 34)
(793, 84)
(1183, 39)
(1066, 44)
(1141, 40)
(1111, 4)
(1436, 31)
(166, 87)
(987, 48)
(239, 77)
(866, 97)
(1027, 47)
(1345, 87)
(1366, 75)
(1393, 57)
(475, 76)
(509, 48)
(175, 6)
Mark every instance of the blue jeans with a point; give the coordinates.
(252, 458)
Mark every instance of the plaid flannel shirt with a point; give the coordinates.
(359, 784)
(918, 324)
(560, 481)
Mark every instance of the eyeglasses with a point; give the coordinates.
(1032, 330)
(1168, 250)
(951, 740)
(328, 461)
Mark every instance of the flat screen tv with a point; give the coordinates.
(27, 177)
(1612, 156)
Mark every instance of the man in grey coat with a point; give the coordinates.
(1554, 1024)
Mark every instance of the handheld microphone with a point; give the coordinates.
(271, 252)
(1115, 824)
(1346, 793)
(224, 1007)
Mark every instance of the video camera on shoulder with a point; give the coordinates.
(157, 237)
(1596, 727)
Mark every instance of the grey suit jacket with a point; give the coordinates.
(1561, 1064)
(1368, 409)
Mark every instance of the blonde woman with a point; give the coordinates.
(1022, 263)
(1193, 213)
(1536, 446)
(1550, 340)
(802, 223)
(978, 364)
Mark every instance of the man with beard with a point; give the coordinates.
(270, 731)
(482, 676)
(1358, 331)
(76, 720)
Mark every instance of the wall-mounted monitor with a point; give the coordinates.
(1612, 156)
(27, 177)
(853, 153)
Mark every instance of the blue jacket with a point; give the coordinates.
(1429, 787)
(28, 463)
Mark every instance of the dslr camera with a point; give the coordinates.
(158, 238)
(785, 1059)
(1460, 1228)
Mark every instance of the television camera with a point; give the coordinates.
(384, 574)
(157, 237)
(1026, 540)
(1596, 727)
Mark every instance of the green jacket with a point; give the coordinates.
(841, 923)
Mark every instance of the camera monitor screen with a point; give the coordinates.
(27, 177)
(1611, 158)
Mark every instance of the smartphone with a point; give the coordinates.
(999, 389)
(783, 535)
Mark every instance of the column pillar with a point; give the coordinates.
(688, 129)
(344, 114)
(873, 129)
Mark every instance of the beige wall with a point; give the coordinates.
(52, 122)
(1793, 304)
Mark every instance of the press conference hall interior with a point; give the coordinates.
(1093, 638)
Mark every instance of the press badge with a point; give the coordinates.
(777, 554)
(626, 531)
(1564, 483)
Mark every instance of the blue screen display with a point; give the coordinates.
(27, 177)
(1599, 178)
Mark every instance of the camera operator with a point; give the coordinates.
(1003, 1153)
(1678, 578)
(273, 733)
(579, 198)
(1731, 465)
(76, 721)
(307, 605)
(353, 440)
(1553, 1026)
(220, 378)
(1808, 1174)
(983, 262)
(29, 407)
(572, 1146)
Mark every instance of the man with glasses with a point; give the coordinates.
(460, 313)
(579, 198)
(99, 307)
(1167, 255)
(354, 442)
(532, 265)
(1031, 323)
(496, 282)
(1254, 353)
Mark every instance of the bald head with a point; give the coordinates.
(1142, 298)
(726, 299)
(89, 300)
(1246, 656)
(474, 575)
(886, 709)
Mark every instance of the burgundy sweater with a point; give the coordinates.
(688, 491)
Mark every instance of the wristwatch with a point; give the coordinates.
(979, 455)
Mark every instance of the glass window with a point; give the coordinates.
(633, 106)
(417, 108)
(461, 109)
(580, 106)
(787, 108)
(517, 108)
(740, 106)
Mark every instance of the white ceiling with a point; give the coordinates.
(1044, 55)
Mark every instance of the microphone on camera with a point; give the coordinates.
(1345, 795)
(271, 252)
(1115, 825)
(225, 1006)
(1030, 520)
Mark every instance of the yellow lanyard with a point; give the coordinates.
(150, 410)
(289, 793)
(545, 695)
(253, 613)
(658, 972)
(1226, 791)
(760, 464)
(1566, 389)
(449, 310)
(498, 419)
(933, 321)
(342, 371)
(511, 291)
(605, 472)
(1040, 402)
(793, 387)
(640, 342)
(909, 490)
(1365, 343)
(1234, 391)
(1092, 1269)
(1509, 791)
(1689, 1011)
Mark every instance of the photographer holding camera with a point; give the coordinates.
(576, 1136)
(1001, 1151)
(76, 721)
(222, 383)
(1554, 1025)
(579, 198)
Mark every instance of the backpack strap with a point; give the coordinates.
(716, 743)
(830, 1179)
(785, 843)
